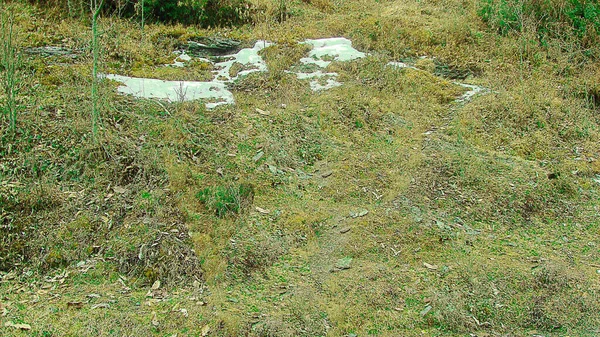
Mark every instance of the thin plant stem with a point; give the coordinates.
(10, 60)
(142, 20)
(95, 113)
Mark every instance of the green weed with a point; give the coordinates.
(228, 199)
(96, 10)
(10, 62)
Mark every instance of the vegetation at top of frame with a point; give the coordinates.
(578, 19)
(203, 12)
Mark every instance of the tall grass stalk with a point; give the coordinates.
(75, 8)
(143, 20)
(96, 8)
(10, 61)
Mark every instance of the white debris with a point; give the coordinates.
(323, 53)
(180, 60)
(214, 91)
(336, 49)
(248, 60)
(316, 74)
(467, 96)
(316, 86)
(400, 65)
(174, 91)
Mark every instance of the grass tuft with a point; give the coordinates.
(230, 199)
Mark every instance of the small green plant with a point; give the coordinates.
(143, 18)
(227, 199)
(283, 13)
(10, 61)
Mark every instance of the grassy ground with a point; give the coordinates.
(385, 207)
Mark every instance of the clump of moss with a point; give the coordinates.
(282, 57)
(426, 64)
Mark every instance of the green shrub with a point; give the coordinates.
(202, 12)
(550, 18)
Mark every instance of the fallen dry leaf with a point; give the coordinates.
(262, 112)
(430, 266)
(205, 330)
(20, 326)
(101, 305)
(359, 214)
(119, 189)
(152, 302)
(76, 305)
(426, 310)
(262, 210)
(154, 319)
(156, 285)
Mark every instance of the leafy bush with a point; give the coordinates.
(550, 18)
(202, 12)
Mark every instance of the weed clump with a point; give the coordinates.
(204, 12)
(229, 199)
(253, 251)
(10, 62)
(150, 253)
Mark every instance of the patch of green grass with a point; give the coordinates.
(230, 199)
(10, 75)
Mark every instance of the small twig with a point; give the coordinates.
(162, 106)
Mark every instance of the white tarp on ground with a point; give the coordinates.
(215, 92)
